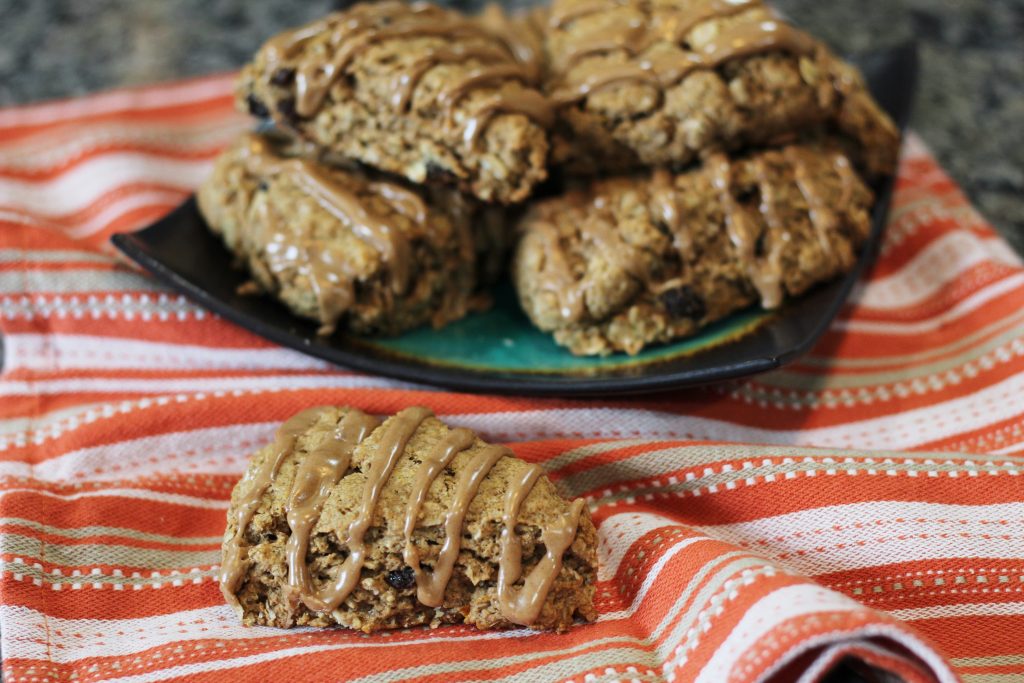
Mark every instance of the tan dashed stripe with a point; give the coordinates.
(1000, 660)
(829, 362)
(577, 454)
(987, 355)
(90, 531)
(33, 282)
(841, 391)
(657, 462)
(20, 570)
(53, 256)
(994, 581)
(728, 476)
(88, 554)
(105, 411)
(149, 304)
(612, 675)
(920, 578)
(45, 152)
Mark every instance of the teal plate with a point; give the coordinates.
(499, 351)
(514, 346)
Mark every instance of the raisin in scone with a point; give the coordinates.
(348, 520)
(632, 261)
(344, 247)
(412, 89)
(660, 82)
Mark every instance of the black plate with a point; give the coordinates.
(499, 351)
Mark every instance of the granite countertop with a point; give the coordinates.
(970, 103)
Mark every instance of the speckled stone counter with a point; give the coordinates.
(970, 105)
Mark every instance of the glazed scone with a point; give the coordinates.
(411, 89)
(346, 520)
(344, 247)
(633, 261)
(661, 82)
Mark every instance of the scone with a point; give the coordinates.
(660, 82)
(348, 520)
(633, 261)
(412, 89)
(344, 247)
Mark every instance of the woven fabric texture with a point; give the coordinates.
(864, 502)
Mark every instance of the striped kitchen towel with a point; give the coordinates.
(863, 505)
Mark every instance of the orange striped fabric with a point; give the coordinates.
(863, 504)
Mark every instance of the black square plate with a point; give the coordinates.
(499, 351)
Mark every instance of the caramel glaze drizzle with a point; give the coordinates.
(406, 202)
(523, 606)
(529, 103)
(233, 564)
(316, 476)
(521, 34)
(824, 218)
(568, 12)
(635, 37)
(370, 23)
(666, 208)
(705, 11)
(768, 277)
(406, 81)
(610, 38)
(763, 270)
(347, 207)
(665, 70)
(332, 282)
(389, 451)
(605, 235)
(556, 277)
(321, 470)
(430, 587)
(765, 275)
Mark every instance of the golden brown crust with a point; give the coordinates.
(634, 261)
(324, 261)
(677, 79)
(415, 90)
(385, 596)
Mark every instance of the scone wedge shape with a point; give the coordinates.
(346, 247)
(347, 520)
(626, 262)
(412, 89)
(663, 82)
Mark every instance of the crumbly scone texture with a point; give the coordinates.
(756, 99)
(678, 279)
(265, 220)
(868, 136)
(471, 595)
(425, 142)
